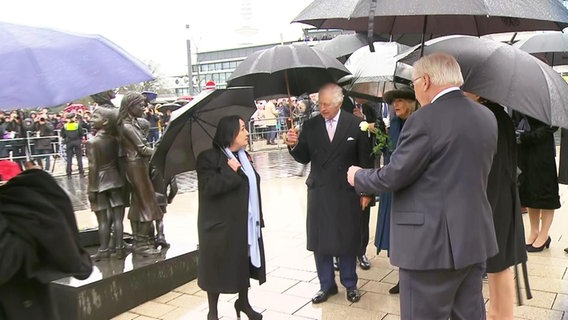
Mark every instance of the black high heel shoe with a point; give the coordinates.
(531, 248)
(251, 314)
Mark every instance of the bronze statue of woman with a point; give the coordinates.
(144, 208)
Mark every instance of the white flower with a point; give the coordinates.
(364, 126)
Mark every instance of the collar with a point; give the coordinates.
(443, 92)
(336, 118)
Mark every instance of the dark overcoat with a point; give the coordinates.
(563, 161)
(503, 196)
(334, 210)
(224, 263)
(39, 243)
(538, 181)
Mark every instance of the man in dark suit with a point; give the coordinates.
(441, 226)
(332, 141)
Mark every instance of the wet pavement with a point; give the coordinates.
(291, 274)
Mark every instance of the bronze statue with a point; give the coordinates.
(161, 187)
(144, 208)
(106, 182)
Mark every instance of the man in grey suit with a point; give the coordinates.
(441, 226)
(332, 141)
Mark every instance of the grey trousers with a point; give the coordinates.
(442, 294)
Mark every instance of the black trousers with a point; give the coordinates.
(365, 216)
(74, 149)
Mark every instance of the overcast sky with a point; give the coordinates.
(156, 30)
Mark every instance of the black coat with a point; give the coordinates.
(563, 161)
(538, 181)
(334, 210)
(503, 196)
(39, 243)
(224, 263)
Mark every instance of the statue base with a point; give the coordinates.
(116, 286)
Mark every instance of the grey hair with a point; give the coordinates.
(442, 68)
(336, 90)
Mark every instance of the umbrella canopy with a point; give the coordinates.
(46, 67)
(436, 17)
(552, 46)
(506, 75)
(367, 66)
(169, 106)
(287, 70)
(192, 127)
(343, 44)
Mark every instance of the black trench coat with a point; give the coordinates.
(334, 210)
(224, 263)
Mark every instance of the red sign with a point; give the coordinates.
(210, 85)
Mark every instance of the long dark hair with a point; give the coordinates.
(227, 129)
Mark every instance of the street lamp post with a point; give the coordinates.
(189, 66)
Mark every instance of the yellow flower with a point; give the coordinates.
(364, 126)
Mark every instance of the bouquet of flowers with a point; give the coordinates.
(383, 142)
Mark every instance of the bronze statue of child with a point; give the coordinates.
(106, 182)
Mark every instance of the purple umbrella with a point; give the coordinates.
(46, 67)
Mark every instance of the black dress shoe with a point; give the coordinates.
(395, 289)
(322, 295)
(336, 263)
(364, 262)
(353, 295)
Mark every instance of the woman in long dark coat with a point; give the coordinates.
(229, 219)
(404, 103)
(538, 181)
(503, 197)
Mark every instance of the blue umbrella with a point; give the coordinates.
(46, 67)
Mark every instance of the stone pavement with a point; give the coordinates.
(291, 274)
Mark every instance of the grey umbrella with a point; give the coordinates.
(287, 70)
(506, 75)
(343, 44)
(432, 18)
(552, 46)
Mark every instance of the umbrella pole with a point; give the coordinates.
(291, 118)
(371, 26)
(423, 36)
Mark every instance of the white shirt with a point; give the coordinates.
(443, 92)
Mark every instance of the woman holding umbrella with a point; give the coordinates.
(229, 221)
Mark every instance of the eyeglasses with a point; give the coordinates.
(415, 79)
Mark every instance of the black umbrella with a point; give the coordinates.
(289, 70)
(552, 46)
(169, 106)
(506, 75)
(433, 18)
(192, 127)
(343, 44)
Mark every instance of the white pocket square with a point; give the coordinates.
(350, 139)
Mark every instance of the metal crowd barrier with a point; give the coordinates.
(259, 131)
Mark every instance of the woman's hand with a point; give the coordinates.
(234, 164)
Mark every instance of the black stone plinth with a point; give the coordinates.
(116, 286)
(89, 237)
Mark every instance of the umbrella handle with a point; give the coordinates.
(289, 98)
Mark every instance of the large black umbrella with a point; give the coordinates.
(289, 70)
(552, 46)
(433, 18)
(343, 44)
(506, 75)
(193, 126)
